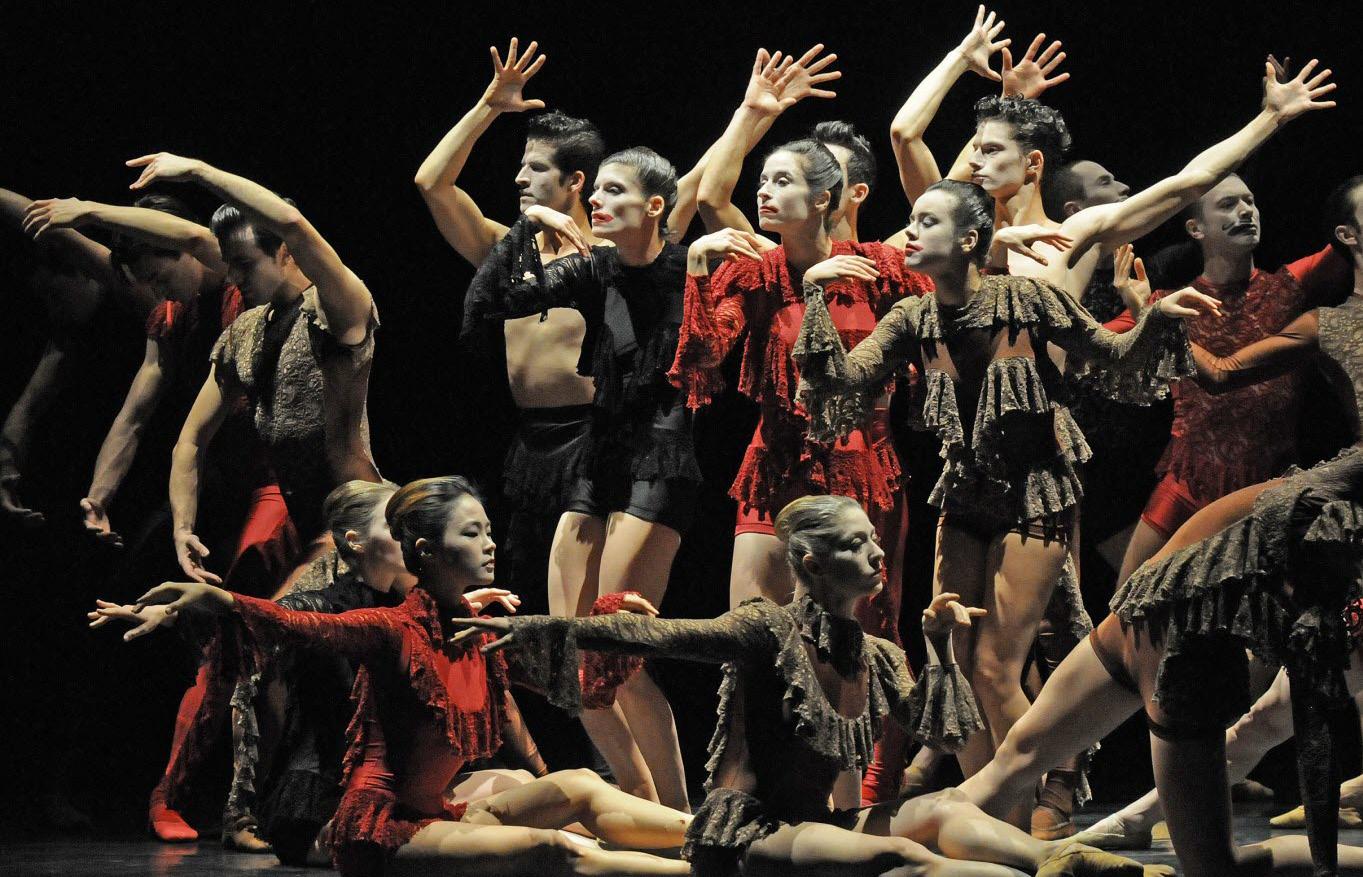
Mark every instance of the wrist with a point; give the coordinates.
(697, 262)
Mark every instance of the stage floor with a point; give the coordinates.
(104, 857)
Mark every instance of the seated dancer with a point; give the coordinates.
(1009, 486)
(639, 484)
(425, 707)
(804, 696)
(1271, 567)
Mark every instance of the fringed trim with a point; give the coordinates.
(602, 673)
(1148, 378)
(725, 825)
(764, 477)
(1068, 591)
(245, 750)
(942, 712)
(532, 478)
(671, 453)
(696, 367)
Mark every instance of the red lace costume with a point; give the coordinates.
(423, 709)
(1221, 443)
(783, 462)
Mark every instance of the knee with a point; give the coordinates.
(994, 676)
(579, 783)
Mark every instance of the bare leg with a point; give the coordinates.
(759, 569)
(445, 848)
(959, 568)
(638, 556)
(817, 849)
(1079, 705)
(574, 582)
(1145, 542)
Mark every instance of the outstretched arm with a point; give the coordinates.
(1269, 357)
(1111, 225)
(344, 299)
(776, 85)
(186, 463)
(458, 217)
(155, 227)
(89, 257)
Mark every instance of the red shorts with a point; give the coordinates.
(1171, 504)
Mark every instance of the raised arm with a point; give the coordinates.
(776, 85)
(458, 217)
(119, 449)
(155, 227)
(344, 299)
(1266, 358)
(186, 464)
(1111, 225)
(87, 256)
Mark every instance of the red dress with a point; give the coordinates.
(782, 461)
(424, 709)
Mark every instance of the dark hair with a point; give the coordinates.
(227, 220)
(974, 212)
(124, 250)
(577, 143)
(1194, 208)
(656, 175)
(421, 510)
(1340, 209)
(1060, 185)
(861, 162)
(822, 171)
(1035, 125)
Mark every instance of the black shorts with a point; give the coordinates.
(668, 501)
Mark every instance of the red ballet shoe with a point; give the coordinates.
(167, 825)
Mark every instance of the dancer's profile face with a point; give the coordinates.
(541, 181)
(853, 564)
(256, 273)
(1098, 185)
(1227, 219)
(467, 553)
(177, 278)
(784, 199)
(998, 163)
(619, 203)
(932, 241)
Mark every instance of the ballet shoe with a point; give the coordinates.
(1078, 860)
(1249, 790)
(1051, 818)
(1113, 833)
(1296, 818)
(168, 826)
(244, 840)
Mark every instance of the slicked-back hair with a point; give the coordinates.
(350, 506)
(228, 220)
(1341, 208)
(974, 211)
(125, 250)
(823, 173)
(861, 161)
(657, 176)
(811, 525)
(1035, 125)
(1060, 184)
(577, 144)
(421, 509)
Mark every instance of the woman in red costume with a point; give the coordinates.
(425, 708)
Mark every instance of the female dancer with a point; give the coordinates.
(1271, 567)
(425, 708)
(640, 481)
(804, 686)
(1010, 487)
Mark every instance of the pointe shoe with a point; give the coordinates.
(245, 840)
(1051, 818)
(1078, 860)
(1349, 817)
(168, 826)
(1113, 833)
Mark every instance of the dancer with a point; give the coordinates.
(638, 488)
(804, 686)
(302, 361)
(1009, 486)
(425, 708)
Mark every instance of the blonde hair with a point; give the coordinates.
(420, 510)
(349, 507)
(810, 525)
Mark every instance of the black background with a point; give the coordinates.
(338, 109)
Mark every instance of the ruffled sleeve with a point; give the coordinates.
(513, 281)
(835, 384)
(550, 646)
(714, 315)
(361, 635)
(938, 709)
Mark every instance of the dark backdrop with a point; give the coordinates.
(337, 110)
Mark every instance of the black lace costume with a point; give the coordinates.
(782, 737)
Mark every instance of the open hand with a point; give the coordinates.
(162, 167)
(1188, 303)
(730, 244)
(11, 506)
(842, 268)
(96, 523)
(638, 604)
(1300, 94)
(1031, 77)
(47, 213)
(1019, 239)
(561, 225)
(179, 596)
(946, 613)
(1128, 278)
(979, 45)
(190, 551)
(147, 619)
(481, 598)
(475, 627)
(509, 78)
(802, 78)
